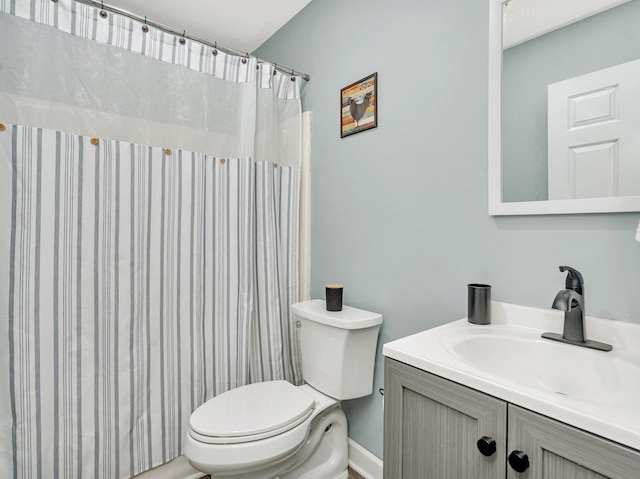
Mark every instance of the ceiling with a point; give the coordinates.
(243, 25)
(524, 20)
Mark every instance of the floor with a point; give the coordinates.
(352, 475)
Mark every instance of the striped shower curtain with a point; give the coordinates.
(136, 283)
(138, 278)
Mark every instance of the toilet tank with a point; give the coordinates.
(338, 348)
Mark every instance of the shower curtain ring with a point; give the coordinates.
(103, 12)
(183, 40)
(214, 52)
(293, 75)
(145, 28)
(245, 59)
(275, 69)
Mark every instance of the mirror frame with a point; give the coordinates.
(549, 207)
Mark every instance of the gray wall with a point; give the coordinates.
(601, 41)
(399, 213)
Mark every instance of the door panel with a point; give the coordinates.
(432, 426)
(593, 124)
(557, 466)
(558, 451)
(439, 441)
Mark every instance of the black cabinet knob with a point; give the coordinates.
(486, 445)
(519, 461)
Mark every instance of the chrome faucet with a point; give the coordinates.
(571, 301)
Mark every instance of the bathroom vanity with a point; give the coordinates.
(499, 401)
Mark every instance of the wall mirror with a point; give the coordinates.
(564, 106)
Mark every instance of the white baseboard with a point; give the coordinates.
(363, 462)
(179, 468)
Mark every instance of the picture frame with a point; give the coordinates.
(359, 106)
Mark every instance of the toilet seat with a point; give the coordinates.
(248, 438)
(251, 413)
(250, 457)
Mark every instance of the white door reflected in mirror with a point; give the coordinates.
(594, 140)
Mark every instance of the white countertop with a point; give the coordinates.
(615, 419)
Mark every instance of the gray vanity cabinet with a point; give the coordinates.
(556, 450)
(432, 427)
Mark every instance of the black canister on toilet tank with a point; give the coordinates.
(334, 297)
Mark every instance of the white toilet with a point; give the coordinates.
(274, 429)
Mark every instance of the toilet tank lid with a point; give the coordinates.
(349, 318)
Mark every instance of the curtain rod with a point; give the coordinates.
(184, 34)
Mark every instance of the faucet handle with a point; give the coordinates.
(574, 279)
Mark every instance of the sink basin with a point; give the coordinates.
(596, 391)
(586, 375)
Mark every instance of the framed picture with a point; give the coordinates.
(359, 106)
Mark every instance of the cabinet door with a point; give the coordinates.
(432, 425)
(558, 451)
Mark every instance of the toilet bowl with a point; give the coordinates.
(275, 443)
(274, 429)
